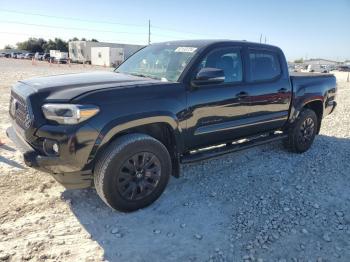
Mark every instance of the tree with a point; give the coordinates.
(61, 45)
(32, 45)
(40, 45)
(57, 44)
(299, 61)
(9, 47)
(94, 40)
(50, 45)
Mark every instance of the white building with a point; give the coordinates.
(107, 56)
(320, 62)
(80, 51)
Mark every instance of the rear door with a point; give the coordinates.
(269, 89)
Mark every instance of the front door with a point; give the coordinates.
(215, 110)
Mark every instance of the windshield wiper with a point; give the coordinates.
(146, 76)
(140, 75)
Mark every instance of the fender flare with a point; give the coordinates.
(296, 109)
(119, 125)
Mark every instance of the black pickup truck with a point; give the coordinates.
(125, 132)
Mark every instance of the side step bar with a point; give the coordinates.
(203, 154)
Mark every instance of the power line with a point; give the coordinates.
(86, 29)
(104, 22)
(70, 28)
(70, 18)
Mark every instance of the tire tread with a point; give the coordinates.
(107, 156)
(290, 142)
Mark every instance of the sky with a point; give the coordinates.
(303, 29)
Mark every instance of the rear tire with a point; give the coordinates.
(132, 172)
(302, 133)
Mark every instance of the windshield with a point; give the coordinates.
(161, 61)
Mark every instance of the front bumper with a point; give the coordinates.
(50, 164)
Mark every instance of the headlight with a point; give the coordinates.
(68, 113)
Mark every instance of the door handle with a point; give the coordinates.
(241, 95)
(282, 90)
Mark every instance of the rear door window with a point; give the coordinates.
(264, 65)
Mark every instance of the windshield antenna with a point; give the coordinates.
(149, 31)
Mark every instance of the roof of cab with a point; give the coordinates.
(208, 42)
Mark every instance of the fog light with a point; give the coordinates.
(51, 147)
(55, 148)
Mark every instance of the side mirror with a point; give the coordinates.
(209, 75)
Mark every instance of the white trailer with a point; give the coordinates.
(107, 56)
(80, 51)
(58, 55)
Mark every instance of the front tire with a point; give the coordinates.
(132, 172)
(302, 133)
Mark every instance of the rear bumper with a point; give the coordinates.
(50, 164)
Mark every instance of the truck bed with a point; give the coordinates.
(308, 84)
(300, 80)
(313, 75)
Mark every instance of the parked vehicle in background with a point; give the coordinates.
(60, 60)
(45, 57)
(331, 67)
(344, 68)
(58, 56)
(292, 68)
(126, 132)
(38, 56)
(317, 69)
(21, 56)
(2, 54)
(29, 56)
(15, 54)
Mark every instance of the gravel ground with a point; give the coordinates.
(262, 204)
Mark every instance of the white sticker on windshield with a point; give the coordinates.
(185, 49)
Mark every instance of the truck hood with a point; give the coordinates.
(68, 86)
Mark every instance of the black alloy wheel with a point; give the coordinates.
(302, 132)
(139, 176)
(132, 172)
(307, 130)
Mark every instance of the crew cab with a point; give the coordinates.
(126, 132)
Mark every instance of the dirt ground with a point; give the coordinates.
(262, 204)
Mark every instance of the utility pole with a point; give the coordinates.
(149, 31)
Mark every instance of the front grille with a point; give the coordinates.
(20, 111)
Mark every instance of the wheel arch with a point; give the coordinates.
(163, 128)
(316, 105)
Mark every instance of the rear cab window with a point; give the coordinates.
(263, 65)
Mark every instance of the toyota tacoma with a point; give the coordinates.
(126, 132)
